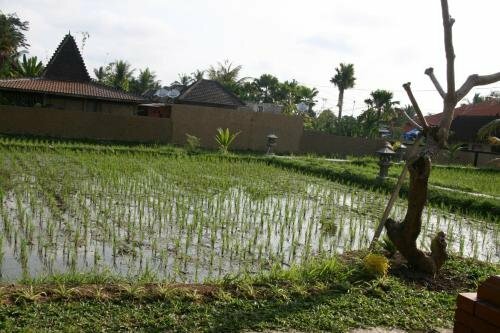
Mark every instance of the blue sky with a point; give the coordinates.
(389, 41)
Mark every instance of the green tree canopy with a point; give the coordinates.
(146, 80)
(117, 74)
(381, 100)
(325, 122)
(12, 41)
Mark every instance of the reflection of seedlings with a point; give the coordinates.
(189, 218)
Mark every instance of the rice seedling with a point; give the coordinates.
(187, 217)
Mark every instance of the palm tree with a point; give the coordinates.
(307, 95)
(29, 67)
(146, 80)
(381, 100)
(198, 75)
(227, 74)
(184, 80)
(120, 74)
(11, 40)
(343, 79)
(100, 74)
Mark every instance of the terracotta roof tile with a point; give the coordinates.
(470, 110)
(68, 88)
(485, 109)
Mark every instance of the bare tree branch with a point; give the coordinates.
(476, 80)
(430, 72)
(450, 52)
(410, 119)
(413, 101)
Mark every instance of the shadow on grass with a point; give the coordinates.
(268, 314)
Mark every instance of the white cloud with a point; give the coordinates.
(389, 41)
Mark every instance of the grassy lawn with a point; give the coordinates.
(467, 179)
(331, 295)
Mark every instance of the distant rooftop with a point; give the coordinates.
(67, 63)
(66, 75)
(210, 93)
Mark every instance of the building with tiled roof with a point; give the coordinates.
(202, 92)
(66, 84)
(209, 93)
(467, 120)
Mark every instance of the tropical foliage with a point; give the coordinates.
(343, 79)
(381, 101)
(490, 132)
(146, 80)
(227, 74)
(224, 139)
(12, 42)
(120, 74)
(28, 67)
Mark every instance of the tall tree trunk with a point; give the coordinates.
(341, 102)
(404, 235)
(379, 114)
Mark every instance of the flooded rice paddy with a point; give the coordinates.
(189, 218)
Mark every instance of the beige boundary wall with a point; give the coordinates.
(200, 121)
(83, 125)
(203, 122)
(335, 145)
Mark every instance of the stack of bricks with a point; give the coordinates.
(479, 312)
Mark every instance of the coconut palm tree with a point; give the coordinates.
(146, 80)
(381, 100)
(28, 67)
(184, 80)
(227, 74)
(120, 74)
(343, 79)
(198, 75)
(100, 74)
(308, 96)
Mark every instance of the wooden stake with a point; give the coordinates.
(395, 193)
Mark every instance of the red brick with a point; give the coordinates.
(488, 312)
(461, 328)
(489, 292)
(466, 302)
(477, 325)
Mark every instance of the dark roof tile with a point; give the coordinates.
(209, 92)
(67, 63)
